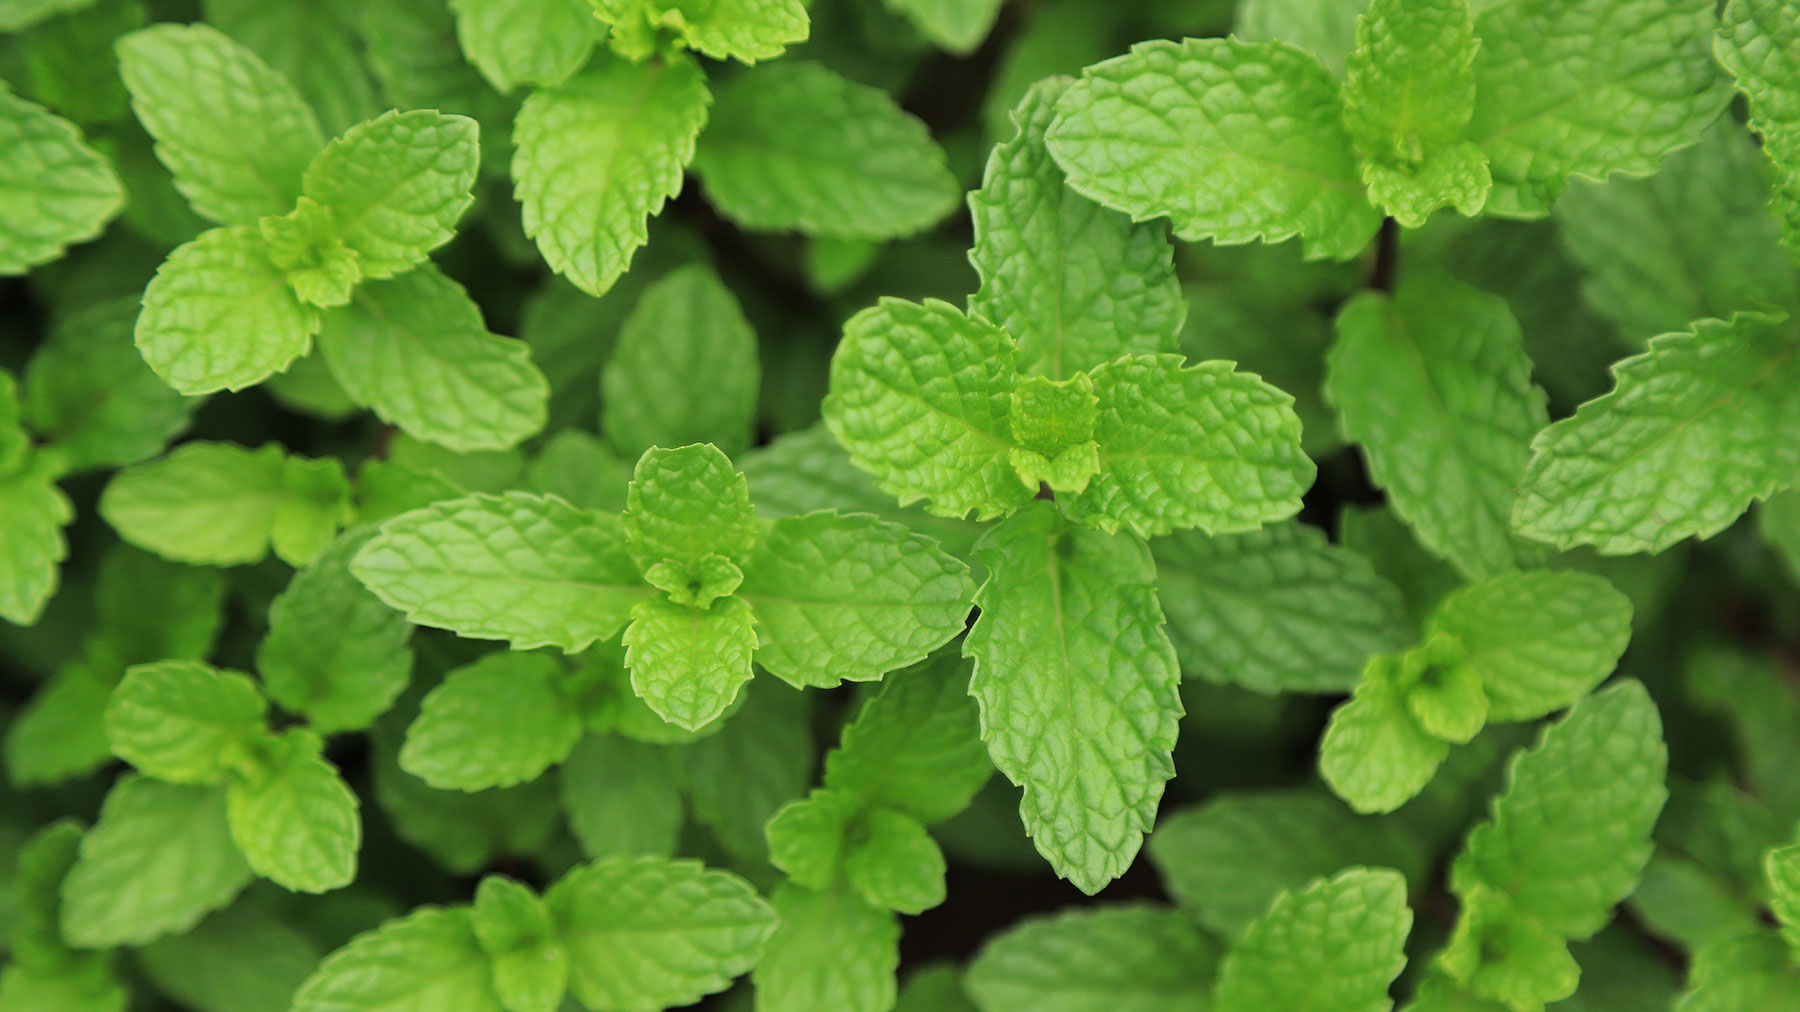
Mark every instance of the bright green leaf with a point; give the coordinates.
(894, 863)
(33, 547)
(295, 820)
(916, 745)
(1334, 946)
(500, 721)
(688, 662)
(427, 961)
(184, 721)
(1374, 753)
(537, 42)
(832, 952)
(55, 190)
(531, 967)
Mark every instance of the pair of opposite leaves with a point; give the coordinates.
(699, 586)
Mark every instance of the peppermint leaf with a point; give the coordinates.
(183, 721)
(537, 42)
(1122, 958)
(294, 819)
(429, 959)
(1756, 44)
(32, 550)
(56, 190)
(500, 721)
(915, 746)
(832, 952)
(1334, 946)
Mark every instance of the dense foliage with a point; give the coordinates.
(451, 561)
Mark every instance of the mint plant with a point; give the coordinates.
(1339, 475)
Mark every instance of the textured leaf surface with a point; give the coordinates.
(525, 568)
(599, 155)
(1692, 431)
(1409, 90)
(921, 396)
(494, 723)
(1105, 959)
(746, 30)
(1326, 28)
(916, 746)
(1191, 446)
(415, 350)
(1569, 837)
(895, 863)
(1234, 141)
(538, 42)
(684, 505)
(1227, 859)
(235, 134)
(793, 146)
(296, 820)
(1278, 610)
(1334, 946)
(1077, 686)
(1759, 44)
(34, 546)
(1434, 384)
(687, 662)
(1749, 972)
(684, 370)
(648, 933)
(851, 598)
(1692, 241)
(531, 967)
(157, 860)
(220, 316)
(427, 961)
(88, 390)
(183, 721)
(1539, 640)
(1586, 88)
(832, 952)
(54, 188)
(1074, 283)
(395, 186)
(334, 653)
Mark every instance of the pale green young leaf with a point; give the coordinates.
(1409, 90)
(497, 722)
(1334, 946)
(416, 351)
(1759, 44)
(759, 760)
(535, 42)
(55, 190)
(1276, 610)
(1539, 640)
(684, 370)
(916, 745)
(1570, 835)
(894, 863)
(936, 987)
(1444, 695)
(219, 315)
(1497, 954)
(745, 30)
(795, 147)
(184, 721)
(1374, 753)
(1558, 96)
(1199, 445)
(1694, 429)
(598, 155)
(235, 161)
(1433, 382)
(1177, 129)
(1782, 868)
(1692, 241)
(1074, 283)
(312, 43)
(688, 662)
(958, 26)
(807, 838)
(684, 505)
(531, 967)
(221, 504)
(832, 952)
(88, 390)
(648, 933)
(529, 569)
(159, 858)
(1225, 860)
(1104, 959)
(334, 653)
(1074, 675)
(428, 960)
(33, 548)
(849, 598)
(395, 186)
(1326, 28)
(294, 819)
(622, 796)
(921, 396)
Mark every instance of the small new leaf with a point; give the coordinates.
(294, 818)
